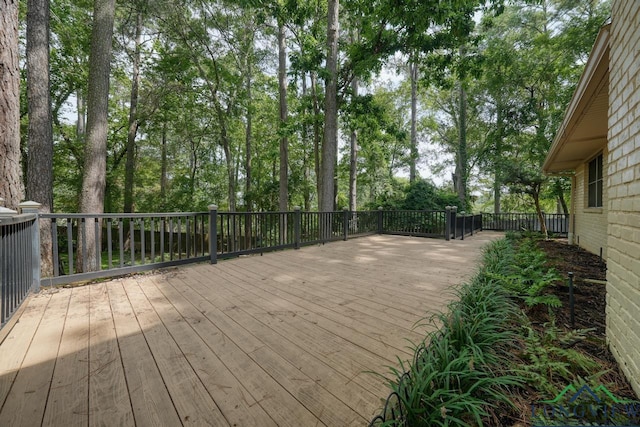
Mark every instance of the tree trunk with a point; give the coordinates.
(330, 140)
(497, 181)
(247, 163)
(130, 167)
(305, 143)
(163, 168)
(316, 132)
(283, 195)
(462, 150)
(353, 162)
(40, 131)
(81, 124)
(10, 167)
(560, 195)
(248, 139)
(536, 201)
(228, 157)
(193, 166)
(95, 159)
(413, 72)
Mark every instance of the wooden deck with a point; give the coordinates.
(289, 338)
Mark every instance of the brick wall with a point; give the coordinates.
(623, 276)
(590, 230)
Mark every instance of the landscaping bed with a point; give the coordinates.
(506, 345)
(590, 305)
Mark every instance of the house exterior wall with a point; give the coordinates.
(590, 224)
(623, 275)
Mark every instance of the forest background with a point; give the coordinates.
(155, 106)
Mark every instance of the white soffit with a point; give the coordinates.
(583, 131)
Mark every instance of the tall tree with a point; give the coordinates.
(283, 197)
(130, 165)
(413, 77)
(248, 138)
(330, 141)
(10, 168)
(462, 167)
(40, 131)
(353, 158)
(95, 161)
(353, 144)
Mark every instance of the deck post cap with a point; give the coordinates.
(6, 212)
(29, 206)
(297, 208)
(213, 207)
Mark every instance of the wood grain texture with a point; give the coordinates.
(109, 402)
(26, 402)
(288, 338)
(16, 344)
(67, 403)
(151, 403)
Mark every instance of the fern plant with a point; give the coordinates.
(550, 361)
(523, 272)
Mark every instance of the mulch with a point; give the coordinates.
(589, 307)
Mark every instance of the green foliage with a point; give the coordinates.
(208, 67)
(418, 195)
(550, 362)
(486, 348)
(547, 359)
(523, 271)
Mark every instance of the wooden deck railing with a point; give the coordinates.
(19, 260)
(556, 223)
(129, 243)
(126, 243)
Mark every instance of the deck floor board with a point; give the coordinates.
(288, 338)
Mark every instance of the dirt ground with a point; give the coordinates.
(590, 303)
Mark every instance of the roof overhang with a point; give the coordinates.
(583, 132)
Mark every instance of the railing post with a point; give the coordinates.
(481, 221)
(296, 226)
(213, 234)
(447, 231)
(464, 220)
(345, 223)
(473, 225)
(380, 222)
(454, 215)
(31, 207)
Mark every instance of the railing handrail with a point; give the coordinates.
(181, 214)
(17, 219)
(121, 215)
